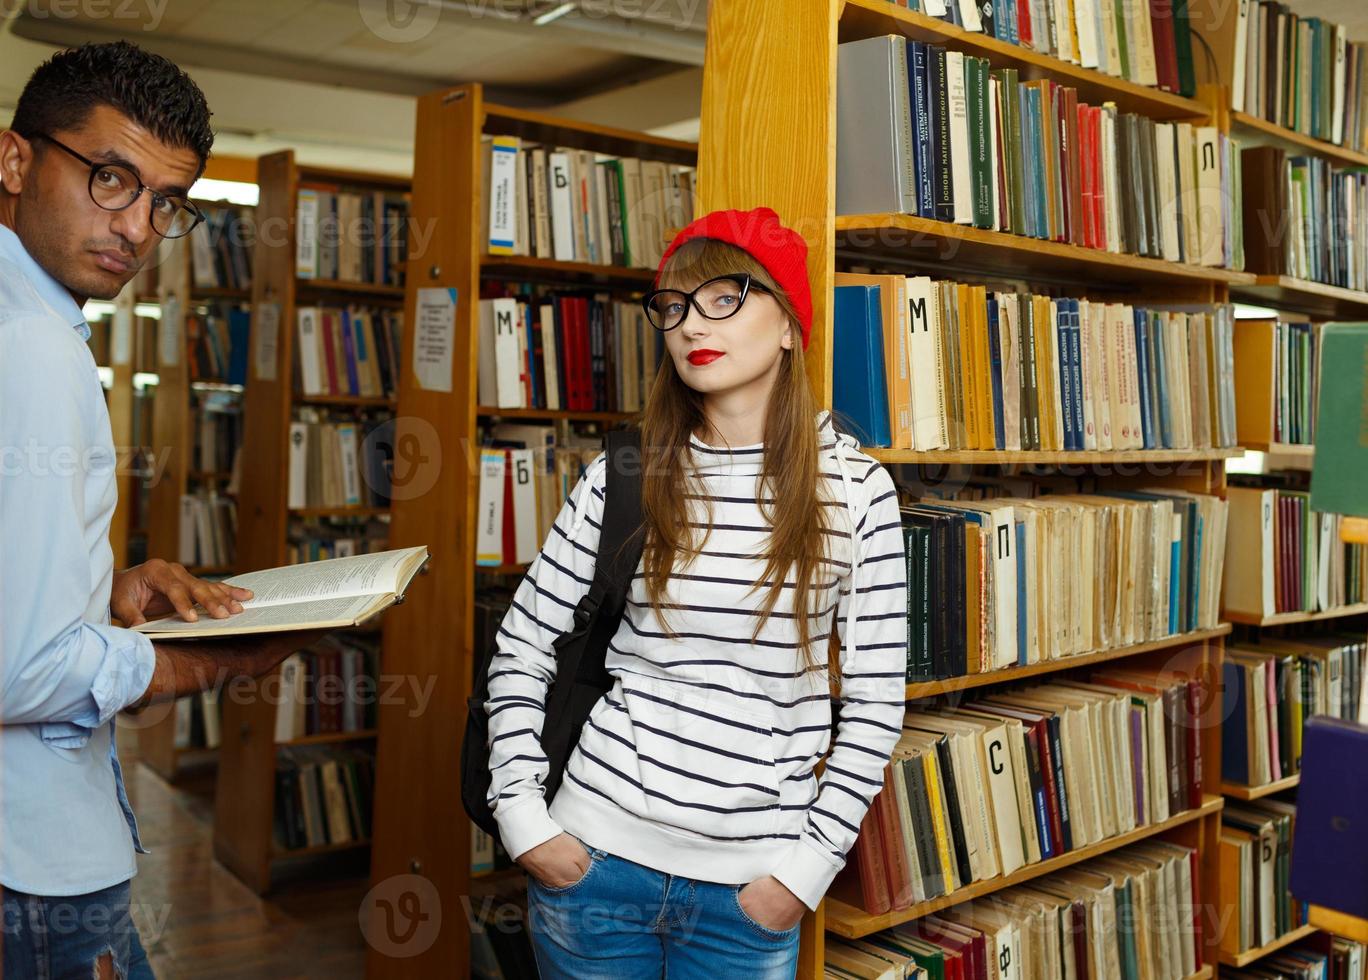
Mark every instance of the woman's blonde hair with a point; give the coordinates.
(787, 490)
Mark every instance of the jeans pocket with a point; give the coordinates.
(596, 857)
(778, 935)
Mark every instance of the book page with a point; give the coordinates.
(276, 617)
(359, 575)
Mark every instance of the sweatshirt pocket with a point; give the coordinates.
(706, 762)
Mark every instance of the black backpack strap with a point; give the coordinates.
(620, 545)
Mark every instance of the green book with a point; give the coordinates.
(981, 163)
(1337, 483)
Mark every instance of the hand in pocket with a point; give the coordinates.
(558, 862)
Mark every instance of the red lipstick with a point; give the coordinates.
(703, 356)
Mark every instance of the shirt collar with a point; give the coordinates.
(52, 293)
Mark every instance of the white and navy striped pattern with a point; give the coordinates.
(700, 760)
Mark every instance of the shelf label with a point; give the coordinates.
(266, 341)
(435, 338)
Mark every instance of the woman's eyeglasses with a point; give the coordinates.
(716, 299)
(114, 187)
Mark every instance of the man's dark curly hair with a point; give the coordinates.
(145, 87)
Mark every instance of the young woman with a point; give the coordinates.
(691, 832)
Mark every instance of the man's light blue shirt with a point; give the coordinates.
(65, 824)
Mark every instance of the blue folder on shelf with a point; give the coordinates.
(859, 387)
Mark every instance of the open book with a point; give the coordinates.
(327, 594)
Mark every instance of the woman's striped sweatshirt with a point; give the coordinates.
(699, 761)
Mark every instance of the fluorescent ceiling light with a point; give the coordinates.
(555, 13)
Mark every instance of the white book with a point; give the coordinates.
(960, 176)
(1142, 44)
(503, 189)
(524, 505)
(1209, 205)
(1109, 56)
(306, 234)
(605, 231)
(631, 181)
(185, 543)
(1002, 790)
(310, 351)
(213, 729)
(541, 206)
(288, 718)
(507, 361)
(296, 494)
(1111, 206)
(1187, 190)
(550, 369)
(489, 530)
(351, 472)
(184, 718)
(994, 138)
(923, 320)
(969, 15)
(653, 177)
(1164, 139)
(1086, 26)
(1337, 89)
(1238, 72)
(202, 265)
(562, 209)
(1115, 433)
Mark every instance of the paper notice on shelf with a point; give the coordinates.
(266, 341)
(169, 333)
(435, 338)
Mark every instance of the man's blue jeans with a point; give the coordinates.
(625, 920)
(64, 937)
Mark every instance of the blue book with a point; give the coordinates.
(995, 353)
(1175, 585)
(1196, 586)
(239, 330)
(529, 314)
(1065, 379)
(1142, 365)
(1028, 160)
(1234, 743)
(1160, 345)
(1076, 367)
(1329, 847)
(919, 80)
(1034, 147)
(349, 350)
(859, 393)
(1010, 8)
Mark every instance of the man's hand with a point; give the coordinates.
(769, 903)
(158, 587)
(190, 667)
(558, 862)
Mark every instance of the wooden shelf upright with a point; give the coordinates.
(768, 137)
(420, 827)
(244, 802)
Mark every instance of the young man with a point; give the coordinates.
(95, 170)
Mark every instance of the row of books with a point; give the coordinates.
(1321, 957)
(1011, 581)
(1133, 914)
(1146, 43)
(1256, 860)
(323, 797)
(933, 132)
(351, 235)
(338, 462)
(576, 206)
(208, 529)
(199, 722)
(216, 344)
(221, 249)
(1277, 367)
(1270, 689)
(928, 364)
(566, 352)
(1305, 218)
(329, 688)
(1020, 776)
(349, 351)
(526, 473)
(314, 541)
(218, 427)
(1300, 72)
(1285, 557)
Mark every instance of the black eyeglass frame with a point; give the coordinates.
(157, 197)
(742, 279)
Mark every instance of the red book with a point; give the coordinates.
(1024, 31)
(325, 327)
(585, 365)
(1074, 190)
(1050, 770)
(895, 857)
(1165, 45)
(1195, 873)
(533, 317)
(1195, 697)
(863, 882)
(510, 527)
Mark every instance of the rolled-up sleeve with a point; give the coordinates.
(58, 670)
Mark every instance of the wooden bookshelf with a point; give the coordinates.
(1237, 792)
(1314, 299)
(1287, 618)
(852, 923)
(982, 457)
(1338, 923)
(493, 411)
(1285, 455)
(347, 401)
(1254, 131)
(420, 826)
(244, 805)
(1251, 955)
(119, 400)
(926, 689)
(332, 738)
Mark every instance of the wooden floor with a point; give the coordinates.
(198, 921)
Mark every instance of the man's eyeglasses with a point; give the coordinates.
(716, 299)
(114, 187)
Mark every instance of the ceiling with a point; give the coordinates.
(336, 79)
